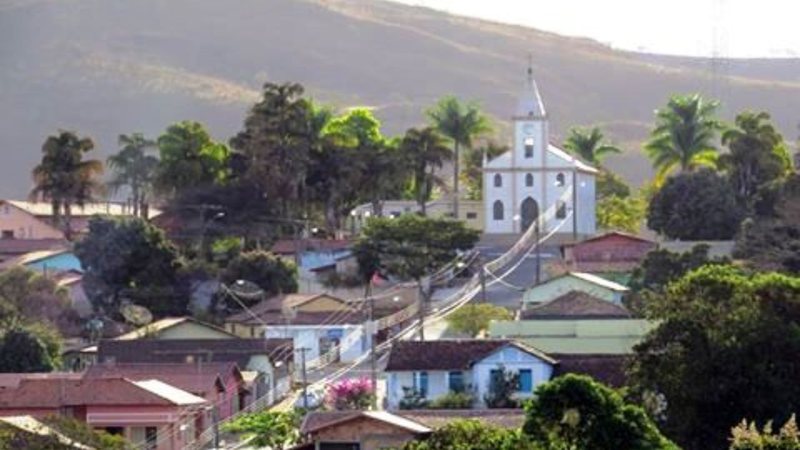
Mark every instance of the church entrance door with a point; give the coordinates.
(529, 212)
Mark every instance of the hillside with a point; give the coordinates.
(105, 67)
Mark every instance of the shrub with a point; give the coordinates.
(351, 393)
(413, 399)
(453, 400)
(746, 436)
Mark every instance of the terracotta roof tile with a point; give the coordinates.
(198, 379)
(608, 369)
(575, 305)
(237, 350)
(455, 354)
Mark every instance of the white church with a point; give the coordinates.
(535, 181)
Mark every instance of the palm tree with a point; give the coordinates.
(64, 178)
(587, 144)
(426, 150)
(134, 168)
(462, 123)
(684, 135)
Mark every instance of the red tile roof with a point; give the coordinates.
(575, 305)
(449, 354)
(56, 393)
(199, 379)
(208, 351)
(507, 418)
(608, 369)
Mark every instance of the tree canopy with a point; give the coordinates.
(134, 168)
(269, 272)
(128, 259)
(473, 435)
(721, 352)
(576, 412)
(589, 144)
(189, 159)
(695, 206)
(684, 135)
(473, 318)
(425, 151)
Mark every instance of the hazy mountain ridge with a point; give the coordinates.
(105, 67)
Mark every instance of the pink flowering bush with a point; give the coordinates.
(350, 393)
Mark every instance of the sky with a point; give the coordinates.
(727, 28)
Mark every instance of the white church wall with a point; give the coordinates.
(491, 194)
(586, 204)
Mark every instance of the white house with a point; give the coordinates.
(574, 281)
(434, 368)
(535, 176)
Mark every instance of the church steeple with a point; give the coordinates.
(530, 102)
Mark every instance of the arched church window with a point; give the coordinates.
(561, 210)
(498, 180)
(528, 179)
(497, 210)
(529, 147)
(560, 179)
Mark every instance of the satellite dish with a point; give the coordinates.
(136, 315)
(246, 290)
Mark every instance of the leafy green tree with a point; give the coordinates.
(661, 267)
(462, 123)
(746, 436)
(426, 151)
(503, 386)
(473, 318)
(410, 247)
(21, 351)
(473, 434)
(757, 156)
(271, 273)
(276, 141)
(189, 159)
(268, 429)
(695, 206)
(588, 144)
(128, 259)
(621, 213)
(64, 178)
(773, 242)
(134, 168)
(27, 296)
(719, 353)
(684, 135)
(576, 412)
(610, 184)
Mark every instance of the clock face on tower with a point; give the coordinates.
(528, 129)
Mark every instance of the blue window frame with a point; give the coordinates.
(525, 380)
(421, 383)
(455, 381)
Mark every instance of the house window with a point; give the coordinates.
(8, 234)
(528, 179)
(472, 215)
(560, 179)
(421, 383)
(529, 147)
(498, 180)
(497, 210)
(561, 210)
(151, 437)
(525, 380)
(455, 381)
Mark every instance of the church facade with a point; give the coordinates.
(537, 182)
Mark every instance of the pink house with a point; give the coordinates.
(149, 412)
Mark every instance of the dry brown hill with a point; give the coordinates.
(105, 67)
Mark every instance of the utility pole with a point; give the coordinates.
(483, 282)
(373, 334)
(538, 254)
(303, 351)
(215, 414)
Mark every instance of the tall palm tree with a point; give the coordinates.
(587, 143)
(462, 123)
(684, 135)
(64, 178)
(426, 150)
(134, 168)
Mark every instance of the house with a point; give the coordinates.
(574, 281)
(470, 211)
(537, 182)
(434, 368)
(316, 260)
(221, 384)
(23, 214)
(329, 328)
(575, 336)
(373, 430)
(574, 305)
(612, 255)
(149, 413)
(270, 360)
